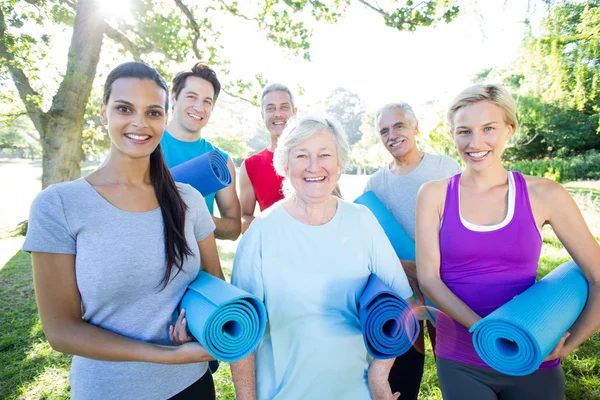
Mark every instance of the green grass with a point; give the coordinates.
(30, 369)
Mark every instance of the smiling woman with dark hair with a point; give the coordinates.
(113, 254)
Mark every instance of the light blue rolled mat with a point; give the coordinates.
(517, 337)
(401, 241)
(207, 173)
(226, 320)
(387, 322)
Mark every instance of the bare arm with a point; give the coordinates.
(562, 213)
(430, 202)
(59, 305)
(379, 372)
(209, 258)
(229, 225)
(244, 378)
(247, 198)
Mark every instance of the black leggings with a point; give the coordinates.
(202, 389)
(460, 381)
(407, 371)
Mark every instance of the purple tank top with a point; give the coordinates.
(485, 269)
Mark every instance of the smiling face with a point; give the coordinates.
(135, 116)
(313, 168)
(397, 132)
(193, 106)
(480, 133)
(276, 110)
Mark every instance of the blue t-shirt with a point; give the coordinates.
(177, 152)
(310, 279)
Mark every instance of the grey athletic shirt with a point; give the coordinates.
(120, 261)
(399, 192)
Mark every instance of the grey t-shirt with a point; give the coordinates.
(399, 192)
(120, 261)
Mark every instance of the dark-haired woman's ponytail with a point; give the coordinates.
(173, 210)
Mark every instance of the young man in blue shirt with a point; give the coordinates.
(194, 94)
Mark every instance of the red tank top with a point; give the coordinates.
(264, 179)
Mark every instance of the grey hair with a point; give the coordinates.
(301, 128)
(408, 111)
(276, 87)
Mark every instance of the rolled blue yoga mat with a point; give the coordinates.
(402, 243)
(388, 324)
(517, 337)
(226, 320)
(207, 173)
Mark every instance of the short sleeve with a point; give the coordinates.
(383, 259)
(48, 229)
(247, 265)
(222, 153)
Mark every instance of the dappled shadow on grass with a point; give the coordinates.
(25, 353)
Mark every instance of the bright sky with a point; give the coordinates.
(426, 68)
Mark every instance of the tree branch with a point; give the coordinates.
(237, 96)
(195, 27)
(235, 12)
(120, 38)
(127, 44)
(26, 92)
(376, 9)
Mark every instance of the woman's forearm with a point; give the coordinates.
(588, 321)
(244, 378)
(448, 302)
(86, 340)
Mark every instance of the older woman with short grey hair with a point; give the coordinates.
(308, 258)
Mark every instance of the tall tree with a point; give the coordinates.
(159, 32)
(556, 81)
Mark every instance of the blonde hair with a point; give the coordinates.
(495, 94)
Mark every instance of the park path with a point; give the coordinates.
(20, 182)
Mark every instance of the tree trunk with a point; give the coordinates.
(61, 134)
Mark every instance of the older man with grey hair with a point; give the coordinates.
(396, 185)
(258, 181)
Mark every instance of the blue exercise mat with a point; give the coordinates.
(388, 324)
(517, 337)
(402, 243)
(207, 173)
(226, 320)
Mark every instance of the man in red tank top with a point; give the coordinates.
(258, 180)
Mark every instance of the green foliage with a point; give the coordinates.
(556, 84)
(439, 140)
(368, 154)
(17, 137)
(232, 145)
(165, 34)
(583, 166)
